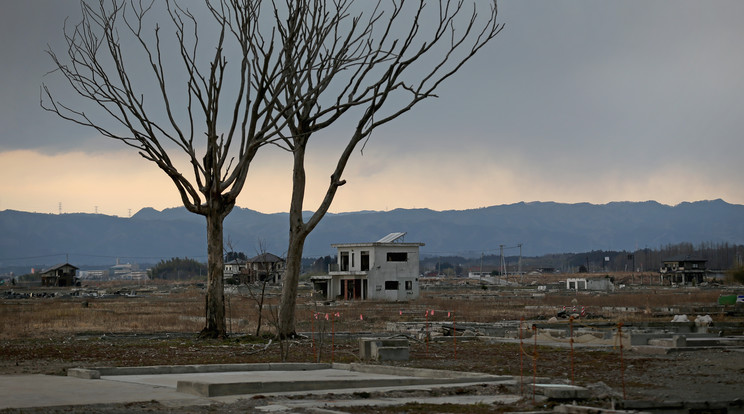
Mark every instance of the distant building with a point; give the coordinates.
(480, 272)
(605, 283)
(59, 275)
(387, 269)
(266, 266)
(683, 269)
(233, 268)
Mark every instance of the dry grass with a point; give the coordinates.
(175, 308)
(49, 335)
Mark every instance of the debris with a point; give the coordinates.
(703, 320)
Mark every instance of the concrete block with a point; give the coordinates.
(563, 391)
(679, 341)
(384, 349)
(393, 353)
(663, 342)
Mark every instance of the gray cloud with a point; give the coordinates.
(569, 87)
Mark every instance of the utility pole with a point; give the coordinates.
(503, 265)
(519, 264)
(481, 267)
(520, 258)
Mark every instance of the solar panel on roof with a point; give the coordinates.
(391, 237)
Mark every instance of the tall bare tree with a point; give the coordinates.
(372, 61)
(199, 111)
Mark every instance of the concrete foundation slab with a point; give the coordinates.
(176, 386)
(562, 391)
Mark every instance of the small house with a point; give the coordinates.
(266, 266)
(605, 283)
(684, 269)
(387, 269)
(59, 275)
(233, 267)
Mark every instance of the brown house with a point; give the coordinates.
(59, 275)
(684, 270)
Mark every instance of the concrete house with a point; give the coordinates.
(683, 270)
(266, 265)
(233, 267)
(255, 269)
(59, 275)
(387, 269)
(604, 283)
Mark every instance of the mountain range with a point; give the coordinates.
(539, 227)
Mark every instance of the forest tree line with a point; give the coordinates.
(719, 256)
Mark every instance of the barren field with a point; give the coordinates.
(157, 325)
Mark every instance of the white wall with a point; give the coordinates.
(394, 271)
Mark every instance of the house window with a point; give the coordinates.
(352, 259)
(364, 261)
(409, 285)
(344, 258)
(397, 257)
(391, 285)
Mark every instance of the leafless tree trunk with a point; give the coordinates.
(161, 93)
(374, 63)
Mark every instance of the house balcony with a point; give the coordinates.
(335, 270)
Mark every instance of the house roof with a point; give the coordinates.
(236, 262)
(265, 258)
(392, 238)
(58, 266)
(685, 258)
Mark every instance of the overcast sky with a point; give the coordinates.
(575, 101)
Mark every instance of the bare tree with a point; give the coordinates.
(373, 65)
(268, 75)
(199, 113)
(262, 278)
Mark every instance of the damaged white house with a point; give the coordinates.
(387, 269)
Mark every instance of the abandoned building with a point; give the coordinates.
(233, 267)
(59, 275)
(604, 283)
(683, 269)
(264, 267)
(387, 269)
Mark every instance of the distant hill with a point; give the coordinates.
(541, 228)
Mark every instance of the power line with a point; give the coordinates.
(94, 255)
(33, 257)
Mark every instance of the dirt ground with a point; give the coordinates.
(47, 334)
(704, 375)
